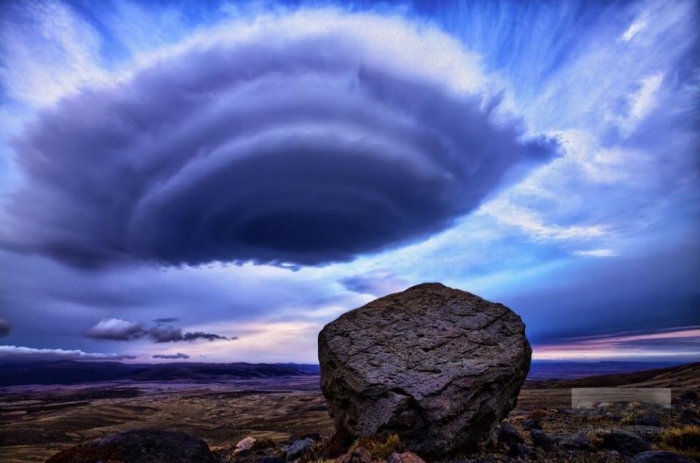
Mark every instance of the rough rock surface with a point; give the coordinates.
(439, 366)
(139, 446)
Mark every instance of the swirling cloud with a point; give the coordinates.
(308, 139)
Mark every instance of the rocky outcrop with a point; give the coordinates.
(139, 446)
(439, 366)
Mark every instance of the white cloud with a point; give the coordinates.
(19, 353)
(635, 28)
(53, 52)
(644, 100)
(596, 253)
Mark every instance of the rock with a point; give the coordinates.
(297, 448)
(662, 457)
(245, 444)
(438, 366)
(575, 441)
(507, 434)
(648, 420)
(625, 442)
(359, 455)
(406, 457)
(532, 424)
(689, 396)
(542, 439)
(139, 446)
(518, 451)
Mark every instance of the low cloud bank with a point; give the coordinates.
(20, 353)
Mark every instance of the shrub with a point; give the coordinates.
(380, 446)
(537, 414)
(681, 439)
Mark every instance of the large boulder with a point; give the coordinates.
(139, 446)
(439, 366)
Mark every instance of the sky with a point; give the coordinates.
(215, 181)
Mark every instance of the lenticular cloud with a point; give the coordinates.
(303, 139)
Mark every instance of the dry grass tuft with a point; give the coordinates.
(380, 446)
(537, 414)
(681, 439)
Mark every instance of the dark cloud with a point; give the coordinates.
(20, 353)
(208, 336)
(305, 151)
(165, 320)
(115, 329)
(4, 327)
(171, 357)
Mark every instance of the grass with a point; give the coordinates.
(380, 446)
(681, 439)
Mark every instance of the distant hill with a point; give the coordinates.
(543, 375)
(678, 376)
(71, 372)
(562, 369)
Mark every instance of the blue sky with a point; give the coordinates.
(216, 181)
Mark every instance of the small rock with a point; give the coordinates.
(604, 406)
(542, 439)
(139, 446)
(625, 442)
(359, 455)
(244, 444)
(507, 434)
(297, 448)
(690, 417)
(406, 457)
(662, 457)
(575, 441)
(689, 396)
(518, 450)
(532, 424)
(648, 420)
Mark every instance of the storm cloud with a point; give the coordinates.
(115, 329)
(279, 145)
(4, 327)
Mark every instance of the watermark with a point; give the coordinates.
(637, 410)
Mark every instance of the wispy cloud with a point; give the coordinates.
(596, 253)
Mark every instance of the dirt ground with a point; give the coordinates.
(38, 421)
